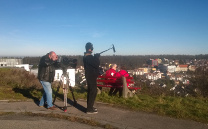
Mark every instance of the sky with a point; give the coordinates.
(134, 27)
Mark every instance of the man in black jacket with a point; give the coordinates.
(46, 72)
(91, 66)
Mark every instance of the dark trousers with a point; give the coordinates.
(91, 92)
(115, 89)
(120, 90)
(111, 91)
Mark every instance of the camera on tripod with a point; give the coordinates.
(67, 79)
(65, 63)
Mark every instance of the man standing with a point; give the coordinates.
(91, 66)
(46, 72)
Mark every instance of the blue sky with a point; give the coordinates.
(135, 27)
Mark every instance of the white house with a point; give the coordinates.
(138, 71)
(171, 68)
(70, 73)
(25, 66)
(153, 76)
(182, 68)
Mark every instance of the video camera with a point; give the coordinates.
(66, 62)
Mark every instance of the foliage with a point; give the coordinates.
(199, 81)
(17, 77)
(18, 84)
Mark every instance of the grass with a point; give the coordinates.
(7, 93)
(177, 107)
(14, 85)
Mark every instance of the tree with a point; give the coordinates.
(200, 81)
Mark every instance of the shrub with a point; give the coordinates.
(20, 78)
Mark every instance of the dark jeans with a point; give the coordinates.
(91, 92)
(120, 90)
(111, 91)
(115, 89)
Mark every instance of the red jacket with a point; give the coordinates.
(111, 73)
(122, 73)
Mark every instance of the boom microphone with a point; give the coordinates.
(109, 49)
(114, 49)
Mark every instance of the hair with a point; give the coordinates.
(51, 53)
(113, 65)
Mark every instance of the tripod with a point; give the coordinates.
(66, 85)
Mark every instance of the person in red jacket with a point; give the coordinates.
(109, 74)
(112, 71)
(119, 75)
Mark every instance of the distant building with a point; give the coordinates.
(147, 70)
(152, 62)
(159, 61)
(182, 68)
(139, 71)
(171, 69)
(153, 76)
(172, 77)
(186, 82)
(165, 61)
(163, 67)
(5, 62)
(24, 66)
(192, 68)
(176, 62)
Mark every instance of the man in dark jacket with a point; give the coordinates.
(91, 66)
(46, 72)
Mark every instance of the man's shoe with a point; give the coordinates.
(44, 105)
(92, 112)
(95, 109)
(52, 108)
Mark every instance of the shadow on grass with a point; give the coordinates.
(69, 101)
(27, 92)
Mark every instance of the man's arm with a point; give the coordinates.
(93, 61)
(46, 61)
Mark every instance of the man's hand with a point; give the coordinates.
(56, 58)
(97, 55)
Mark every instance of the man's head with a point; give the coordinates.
(53, 56)
(89, 47)
(114, 66)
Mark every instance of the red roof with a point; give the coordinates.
(185, 66)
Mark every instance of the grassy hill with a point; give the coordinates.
(17, 84)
